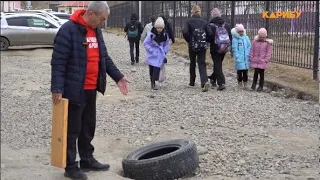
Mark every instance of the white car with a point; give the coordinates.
(64, 17)
(44, 13)
(27, 29)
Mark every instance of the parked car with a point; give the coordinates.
(38, 13)
(27, 29)
(48, 10)
(45, 13)
(61, 15)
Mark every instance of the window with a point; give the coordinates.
(36, 22)
(62, 16)
(17, 21)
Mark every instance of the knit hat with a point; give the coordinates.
(262, 32)
(239, 27)
(215, 12)
(159, 23)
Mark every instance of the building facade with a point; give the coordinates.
(7, 6)
(71, 6)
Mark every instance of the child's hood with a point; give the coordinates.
(235, 34)
(270, 41)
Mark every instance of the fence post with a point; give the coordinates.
(267, 19)
(189, 13)
(233, 7)
(180, 15)
(316, 44)
(208, 11)
(162, 7)
(152, 7)
(174, 18)
(144, 12)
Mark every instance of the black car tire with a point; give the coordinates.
(4, 43)
(166, 160)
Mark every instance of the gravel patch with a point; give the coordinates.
(239, 134)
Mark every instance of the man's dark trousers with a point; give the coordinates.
(81, 127)
(200, 57)
(136, 44)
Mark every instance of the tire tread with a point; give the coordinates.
(176, 165)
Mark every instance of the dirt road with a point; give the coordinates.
(239, 134)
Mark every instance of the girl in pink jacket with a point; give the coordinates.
(260, 55)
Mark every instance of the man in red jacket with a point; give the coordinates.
(80, 62)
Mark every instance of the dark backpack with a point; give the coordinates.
(222, 39)
(198, 39)
(133, 31)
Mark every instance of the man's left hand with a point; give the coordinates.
(122, 84)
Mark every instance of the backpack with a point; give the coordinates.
(133, 31)
(222, 38)
(198, 40)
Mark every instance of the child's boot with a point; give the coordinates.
(240, 85)
(221, 87)
(213, 84)
(253, 87)
(156, 85)
(260, 88)
(153, 84)
(245, 85)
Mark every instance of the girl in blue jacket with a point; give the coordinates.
(241, 49)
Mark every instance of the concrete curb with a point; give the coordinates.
(273, 88)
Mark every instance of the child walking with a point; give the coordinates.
(241, 49)
(260, 56)
(157, 44)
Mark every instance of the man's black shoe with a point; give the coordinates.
(93, 166)
(75, 174)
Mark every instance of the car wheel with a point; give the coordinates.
(165, 160)
(4, 44)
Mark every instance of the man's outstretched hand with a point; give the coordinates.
(122, 84)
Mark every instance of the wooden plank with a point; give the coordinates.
(59, 134)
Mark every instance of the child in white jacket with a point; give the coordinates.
(147, 28)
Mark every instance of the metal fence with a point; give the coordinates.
(296, 40)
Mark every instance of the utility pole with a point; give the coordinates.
(9, 6)
(316, 43)
(140, 11)
(28, 5)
